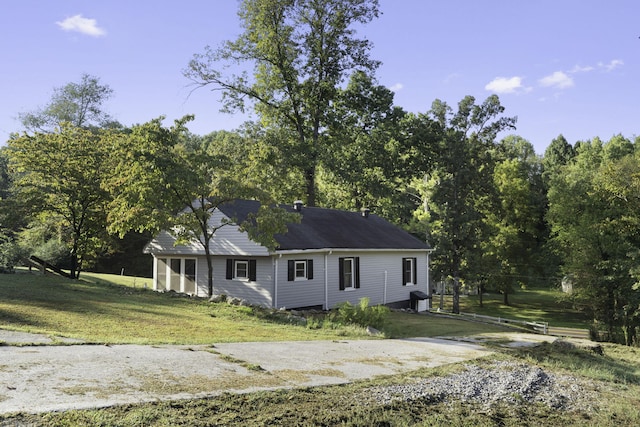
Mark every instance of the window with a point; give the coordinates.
(174, 277)
(176, 274)
(241, 269)
(190, 276)
(349, 273)
(299, 269)
(409, 276)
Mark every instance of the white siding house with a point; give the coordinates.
(331, 256)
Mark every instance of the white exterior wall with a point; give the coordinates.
(300, 293)
(227, 240)
(259, 292)
(380, 277)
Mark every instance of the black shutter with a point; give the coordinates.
(252, 270)
(229, 269)
(291, 265)
(341, 273)
(357, 271)
(415, 271)
(309, 269)
(404, 272)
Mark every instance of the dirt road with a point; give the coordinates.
(43, 377)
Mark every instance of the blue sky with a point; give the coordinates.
(560, 66)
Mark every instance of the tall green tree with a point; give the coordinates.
(300, 52)
(452, 191)
(594, 217)
(80, 104)
(365, 162)
(58, 177)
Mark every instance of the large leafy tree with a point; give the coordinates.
(594, 217)
(365, 164)
(58, 178)
(165, 178)
(452, 191)
(80, 104)
(299, 52)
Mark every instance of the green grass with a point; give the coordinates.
(96, 310)
(117, 309)
(539, 305)
(102, 308)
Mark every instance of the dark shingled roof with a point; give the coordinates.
(322, 228)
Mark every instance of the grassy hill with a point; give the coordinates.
(113, 309)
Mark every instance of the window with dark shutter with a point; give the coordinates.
(409, 274)
(349, 273)
(299, 269)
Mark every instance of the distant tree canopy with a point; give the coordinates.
(79, 104)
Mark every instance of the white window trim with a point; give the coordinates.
(411, 273)
(305, 276)
(237, 262)
(351, 286)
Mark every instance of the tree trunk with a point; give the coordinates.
(505, 297)
(456, 293)
(480, 293)
(207, 253)
(310, 178)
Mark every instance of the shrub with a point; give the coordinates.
(362, 314)
(10, 254)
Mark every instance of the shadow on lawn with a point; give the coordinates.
(604, 366)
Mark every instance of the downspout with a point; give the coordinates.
(275, 282)
(326, 280)
(384, 298)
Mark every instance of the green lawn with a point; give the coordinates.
(538, 305)
(101, 308)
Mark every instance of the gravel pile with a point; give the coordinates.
(500, 382)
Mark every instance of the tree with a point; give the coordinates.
(512, 224)
(79, 104)
(453, 190)
(594, 218)
(167, 179)
(301, 52)
(58, 175)
(365, 162)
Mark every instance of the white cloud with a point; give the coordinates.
(558, 80)
(396, 87)
(82, 25)
(612, 65)
(505, 85)
(581, 69)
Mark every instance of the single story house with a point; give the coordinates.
(331, 256)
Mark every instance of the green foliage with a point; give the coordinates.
(79, 104)
(453, 189)
(10, 254)
(58, 178)
(361, 314)
(594, 205)
(300, 53)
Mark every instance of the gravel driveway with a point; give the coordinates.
(40, 378)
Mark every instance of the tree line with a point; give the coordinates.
(75, 184)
